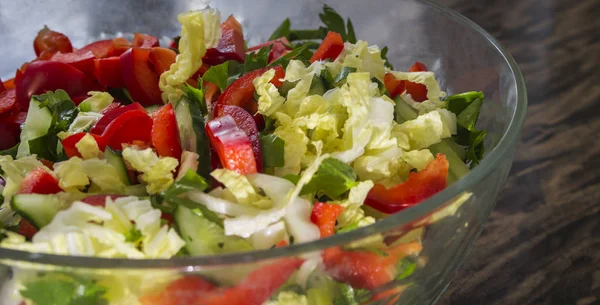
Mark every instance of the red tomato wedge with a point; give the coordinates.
(134, 125)
(42, 76)
(69, 143)
(119, 46)
(241, 91)
(100, 48)
(418, 92)
(232, 145)
(330, 48)
(182, 291)
(10, 129)
(108, 72)
(419, 186)
(324, 216)
(83, 61)
(393, 85)
(144, 41)
(161, 59)
(111, 113)
(48, 42)
(280, 48)
(39, 181)
(139, 78)
(165, 133)
(8, 100)
(231, 45)
(244, 120)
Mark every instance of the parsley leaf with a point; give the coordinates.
(257, 60)
(190, 181)
(300, 52)
(134, 235)
(387, 63)
(282, 31)
(467, 107)
(196, 96)
(333, 178)
(346, 295)
(63, 289)
(405, 267)
(218, 75)
(271, 147)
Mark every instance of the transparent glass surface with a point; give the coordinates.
(462, 55)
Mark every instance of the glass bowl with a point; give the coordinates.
(463, 56)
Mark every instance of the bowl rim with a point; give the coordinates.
(487, 166)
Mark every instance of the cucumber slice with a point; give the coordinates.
(115, 159)
(192, 135)
(38, 209)
(37, 123)
(204, 237)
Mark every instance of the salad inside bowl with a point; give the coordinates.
(124, 150)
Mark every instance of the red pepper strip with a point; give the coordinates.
(245, 122)
(26, 229)
(108, 72)
(182, 291)
(100, 48)
(1, 86)
(120, 46)
(324, 216)
(39, 181)
(280, 48)
(8, 101)
(69, 143)
(48, 42)
(162, 59)
(10, 129)
(393, 85)
(9, 84)
(134, 125)
(231, 45)
(418, 92)
(111, 114)
(144, 41)
(232, 145)
(140, 80)
(165, 133)
(419, 186)
(83, 61)
(330, 48)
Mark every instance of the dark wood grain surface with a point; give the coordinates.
(542, 242)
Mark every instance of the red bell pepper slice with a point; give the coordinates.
(99, 200)
(182, 291)
(8, 101)
(42, 76)
(393, 85)
(419, 186)
(83, 61)
(331, 47)
(10, 129)
(144, 41)
(111, 113)
(418, 92)
(280, 48)
(161, 59)
(241, 91)
(231, 45)
(134, 125)
(120, 45)
(26, 229)
(140, 80)
(2, 86)
(324, 216)
(244, 120)
(48, 42)
(165, 133)
(108, 72)
(39, 181)
(100, 48)
(9, 84)
(232, 145)
(69, 143)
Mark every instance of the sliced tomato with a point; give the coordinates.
(83, 61)
(139, 78)
(324, 216)
(100, 48)
(108, 72)
(161, 59)
(10, 129)
(241, 91)
(9, 84)
(232, 145)
(165, 133)
(111, 114)
(8, 101)
(120, 46)
(42, 76)
(48, 42)
(231, 45)
(39, 181)
(418, 92)
(144, 41)
(244, 120)
(330, 48)
(69, 143)
(182, 291)
(128, 127)
(393, 85)
(26, 229)
(280, 48)
(419, 186)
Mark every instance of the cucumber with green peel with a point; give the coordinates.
(115, 159)
(37, 208)
(192, 135)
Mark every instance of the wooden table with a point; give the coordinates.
(542, 242)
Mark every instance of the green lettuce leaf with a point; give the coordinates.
(63, 289)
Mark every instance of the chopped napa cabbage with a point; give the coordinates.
(361, 56)
(297, 218)
(295, 146)
(269, 99)
(429, 128)
(297, 72)
(86, 230)
(157, 172)
(71, 177)
(241, 188)
(434, 94)
(103, 176)
(418, 158)
(269, 236)
(97, 102)
(82, 123)
(88, 147)
(380, 164)
(200, 30)
(289, 298)
(220, 205)
(353, 215)
(15, 170)
(189, 161)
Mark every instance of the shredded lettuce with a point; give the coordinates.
(269, 99)
(241, 189)
(103, 176)
(71, 177)
(157, 172)
(97, 102)
(88, 147)
(200, 30)
(362, 57)
(429, 128)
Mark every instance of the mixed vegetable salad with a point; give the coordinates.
(125, 149)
